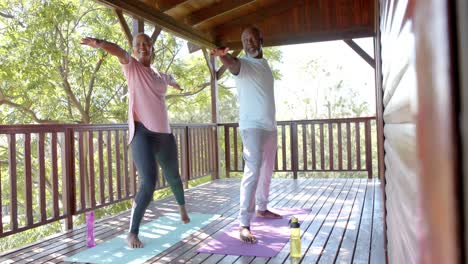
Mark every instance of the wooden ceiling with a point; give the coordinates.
(212, 23)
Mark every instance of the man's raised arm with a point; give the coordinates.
(232, 63)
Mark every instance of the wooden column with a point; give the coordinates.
(211, 62)
(439, 158)
(462, 37)
(138, 25)
(379, 117)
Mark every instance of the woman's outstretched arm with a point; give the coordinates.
(109, 47)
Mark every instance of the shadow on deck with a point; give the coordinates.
(344, 225)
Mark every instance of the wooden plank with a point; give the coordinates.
(110, 188)
(126, 162)
(346, 251)
(340, 148)
(304, 146)
(330, 144)
(358, 146)
(215, 10)
(13, 181)
(42, 176)
(55, 185)
(362, 247)
(322, 147)
(154, 16)
(312, 146)
(227, 150)
(368, 144)
(101, 167)
(28, 178)
(82, 173)
(317, 245)
(337, 236)
(377, 254)
(283, 146)
(348, 145)
(117, 164)
(236, 156)
(92, 181)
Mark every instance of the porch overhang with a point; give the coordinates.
(214, 23)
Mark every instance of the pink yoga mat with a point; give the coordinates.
(272, 235)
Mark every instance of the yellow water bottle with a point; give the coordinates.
(295, 238)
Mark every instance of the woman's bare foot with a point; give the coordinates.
(133, 241)
(247, 236)
(268, 214)
(183, 214)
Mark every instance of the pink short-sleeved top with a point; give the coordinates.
(146, 97)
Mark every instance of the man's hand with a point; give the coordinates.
(92, 42)
(219, 52)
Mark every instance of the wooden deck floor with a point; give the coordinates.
(344, 225)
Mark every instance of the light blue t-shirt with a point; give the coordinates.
(255, 89)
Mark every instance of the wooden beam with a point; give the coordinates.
(154, 16)
(215, 10)
(274, 8)
(223, 68)
(156, 32)
(164, 5)
(124, 25)
(304, 37)
(360, 52)
(138, 25)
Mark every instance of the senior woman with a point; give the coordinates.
(149, 131)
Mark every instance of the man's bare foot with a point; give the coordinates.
(133, 241)
(247, 236)
(268, 214)
(183, 214)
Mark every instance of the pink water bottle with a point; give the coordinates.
(90, 229)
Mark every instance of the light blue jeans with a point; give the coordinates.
(259, 154)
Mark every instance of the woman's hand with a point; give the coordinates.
(92, 42)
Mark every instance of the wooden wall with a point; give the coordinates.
(399, 115)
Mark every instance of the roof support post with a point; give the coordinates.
(211, 63)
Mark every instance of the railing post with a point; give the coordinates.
(68, 195)
(227, 150)
(186, 156)
(215, 138)
(368, 149)
(294, 150)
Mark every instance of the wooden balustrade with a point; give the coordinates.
(52, 172)
(311, 146)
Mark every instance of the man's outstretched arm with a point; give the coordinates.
(232, 63)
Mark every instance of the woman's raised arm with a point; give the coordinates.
(109, 47)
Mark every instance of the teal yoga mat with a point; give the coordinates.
(157, 236)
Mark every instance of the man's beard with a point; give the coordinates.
(255, 53)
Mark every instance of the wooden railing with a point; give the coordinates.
(338, 145)
(52, 172)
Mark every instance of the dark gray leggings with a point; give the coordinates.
(147, 147)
